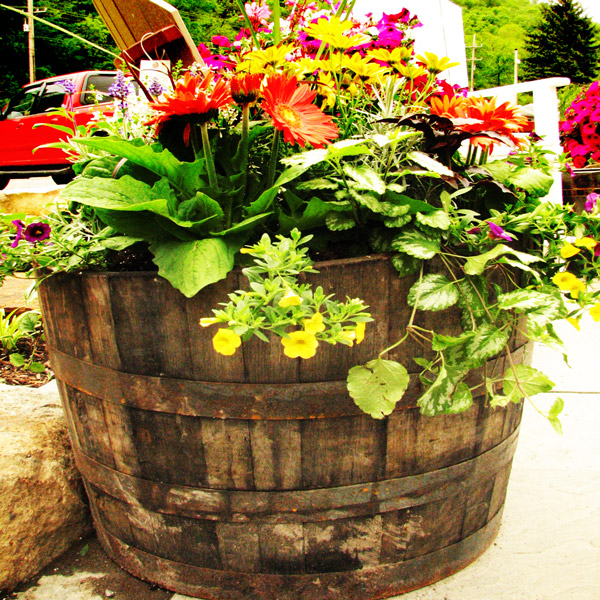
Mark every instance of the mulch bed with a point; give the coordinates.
(28, 347)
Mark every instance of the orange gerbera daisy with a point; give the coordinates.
(245, 88)
(194, 97)
(483, 115)
(290, 106)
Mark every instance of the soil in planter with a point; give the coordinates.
(29, 348)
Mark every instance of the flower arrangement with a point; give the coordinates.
(319, 134)
(580, 133)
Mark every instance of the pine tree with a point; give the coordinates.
(563, 44)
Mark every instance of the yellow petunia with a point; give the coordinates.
(226, 342)
(564, 280)
(595, 312)
(360, 332)
(586, 242)
(314, 324)
(574, 322)
(569, 250)
(577, 288)
(207, 321)
(290, 299)
(300, 344)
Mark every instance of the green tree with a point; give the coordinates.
(500, 27)
(562, 44)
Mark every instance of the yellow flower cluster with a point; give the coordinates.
(567, 282)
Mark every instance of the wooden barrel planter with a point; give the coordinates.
(255, 476)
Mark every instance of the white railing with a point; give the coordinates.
(546, 115)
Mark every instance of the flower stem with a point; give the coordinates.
(273, 159)
(210, 165)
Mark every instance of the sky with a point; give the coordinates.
(592, 9)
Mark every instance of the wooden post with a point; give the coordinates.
(31, 41)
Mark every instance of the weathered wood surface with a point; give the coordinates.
(255, 476)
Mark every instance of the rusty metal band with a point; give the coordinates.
(282, 401)
(363, 584)
(298, 505)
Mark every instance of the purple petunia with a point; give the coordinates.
(20, 226)
(591, 201)
(36, 232)
(497, 233)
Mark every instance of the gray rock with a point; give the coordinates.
(43, 510)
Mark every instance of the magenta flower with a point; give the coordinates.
(36, 232)
(474, 230)
(590, 202)
(221, 40)
(497, 233)
(20, 226)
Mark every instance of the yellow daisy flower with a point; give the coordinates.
(569, 250)
(290, 299)
(595, 312)
(314, 324)
(331, 31)
(267, 60)
(434, 64)
(300, 344)
(226, 342)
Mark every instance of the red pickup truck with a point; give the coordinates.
(18, 137)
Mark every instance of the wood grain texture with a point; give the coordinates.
(259, 470)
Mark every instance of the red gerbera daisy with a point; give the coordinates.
(290, 106)
(195, 98)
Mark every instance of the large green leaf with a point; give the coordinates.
(377, 386)
(434, 292)
(183, 175)
(191, 266)
(532, 180)
(440, 396)
(473, 295)
(405, 264)
(416, 243)
(432, 165)
(522, 380)
(365, 178)
(475, 265)
(437, 219)
(487, 341)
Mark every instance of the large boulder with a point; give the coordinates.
(43, 508)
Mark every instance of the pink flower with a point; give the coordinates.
(20, 227)
(221, 40)
(259, 14)
(497, 233)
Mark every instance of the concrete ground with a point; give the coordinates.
(548, 547)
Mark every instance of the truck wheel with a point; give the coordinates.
(62, 178)
(4, 179)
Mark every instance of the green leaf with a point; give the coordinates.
(416, 243)
(338, 221)
(365, 178)
(434, 292)
(522, 300)
(191, 266)
(184, 176)
(318, 184)
(534, 181)
(439, 397)
(553, 413)
(487, 341)
(377, 386)
(437, 219)
(16, 359)
(475, 265)
(37, 367)
(397, 222)
(461, 400)
(432, 165)
(405, 264)
(473, 294)
(443, 342)
(522, 380)
(28, 321)
(199, 208)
